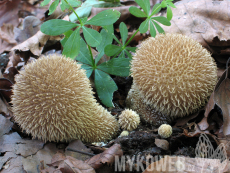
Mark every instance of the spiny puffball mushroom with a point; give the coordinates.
(165, 130)
(147, 113)
(174, 74)
(129, 120)
(53, 101)
(124, 133)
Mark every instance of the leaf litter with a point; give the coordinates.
(206, 21)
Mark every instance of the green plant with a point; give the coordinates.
(76, 48)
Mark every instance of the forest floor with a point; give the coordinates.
(199, 142)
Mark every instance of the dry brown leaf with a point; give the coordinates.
(7, 156)
(13, 165)
(5, 126)
(14, 143)
(206, 21)
(162, 143)
(12, 71)
(32, 1)
(186, 165)
(7, 40)
(7, 33)
(77, 145)
(220, 72)
(222, 99)
(14, 59)
(9, 12)
(31, 25)
(4, 108)
(68, 164)
(203, 124)
(108, 156)
(5, 88)
(184, 120)
(36, 43)
(33, 164)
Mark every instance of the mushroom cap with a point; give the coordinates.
(53, 101)
(165, 130)
(174, 74)
(129, 120)
(124, 133)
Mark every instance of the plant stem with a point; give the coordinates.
(123, 47)
(153, 12)
(94, 65)
(131, 37)
(75, 13)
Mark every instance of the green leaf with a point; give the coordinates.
(64, 5)
(105, 87)
(112, 1)
(163, 4)
(169, 13)
(122, 54)
(171, 4)
(92, 37)
(159, 29)
(74, 3)
(152, 29)
(111, 49)
(89, 69)
(128, 54)
(145, 5)
(137, 12)
(67, 35)
(116, 66)
(107, 38)
(156, 9)
(124, 32)
(72, 45)
(106, 17)
(115, 38)
(144, 26)
(162, 20)
(132, 49)
(83, 20)
(45, 2)
(53, 7)
(84, 55)
(56, 27)
(84, 10)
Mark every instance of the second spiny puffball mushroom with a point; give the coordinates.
(174, 74)
(53, 101)
(129, 120)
